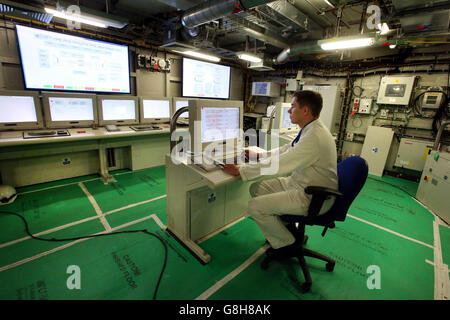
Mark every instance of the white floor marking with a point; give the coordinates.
(6, 244)
(220, 230)
(58, 186)
(205, 295)
(390, 231)
(96, 207)
(441, 279)
(46, 253)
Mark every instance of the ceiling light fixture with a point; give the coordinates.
(336, 43)
(248, 57)
(201, 56)
(87, 18)
(77, 18)
(329, 3)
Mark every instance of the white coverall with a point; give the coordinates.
(312, 162)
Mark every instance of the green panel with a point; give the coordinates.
(444, 233)
(390, 207)
(45, 210)
(355, 246)
(129, 188)
(31, 247)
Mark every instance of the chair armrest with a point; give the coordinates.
(322, 190)
(319, 195)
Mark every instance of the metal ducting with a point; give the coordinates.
(24, 11)
(307, 47)
(215, 9)
(311, 47)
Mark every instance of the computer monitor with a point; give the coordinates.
(179, 103)
(154, 109)
(62, 110)
(215, 123)
(20, 110)
(117, 110)
(285, 120)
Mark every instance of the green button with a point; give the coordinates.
(436, 156)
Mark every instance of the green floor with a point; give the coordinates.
(127, 266)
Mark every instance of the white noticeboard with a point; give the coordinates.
(376, 148)
(330, 96)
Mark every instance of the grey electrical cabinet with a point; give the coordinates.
(413, 153)
(434, 187)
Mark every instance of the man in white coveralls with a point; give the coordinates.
(310, 160)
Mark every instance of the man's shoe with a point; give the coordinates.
(284, 253)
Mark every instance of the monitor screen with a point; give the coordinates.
(55, 61)
(156, 109)
(14, 109)
(118, 109)
(219, 123)
(180, 104)
(71, 109)
(285, 119)
(205, 79)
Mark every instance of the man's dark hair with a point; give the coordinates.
(309, 98)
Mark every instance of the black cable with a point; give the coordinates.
(393, 185)
(99, 235)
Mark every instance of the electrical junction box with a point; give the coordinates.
(432, 100)
(413, 153)
(435, 183)
(395, 90)
(266, 89)
(292, 85)
(384, 113)
(365, 105)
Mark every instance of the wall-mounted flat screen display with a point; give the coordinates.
(205, 80)
(61, 62)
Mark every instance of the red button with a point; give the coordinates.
(81, 131)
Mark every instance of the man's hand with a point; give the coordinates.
(231, 169)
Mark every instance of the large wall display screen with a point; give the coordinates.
(61, 62)
(205, 80)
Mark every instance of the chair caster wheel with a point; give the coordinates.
(305, 240)
(330, 266)
(306, 286)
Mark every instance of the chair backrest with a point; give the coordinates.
(352, 175)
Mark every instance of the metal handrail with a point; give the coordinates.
(173, 125)
(438, 136)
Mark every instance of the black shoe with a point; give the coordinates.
(285, 252)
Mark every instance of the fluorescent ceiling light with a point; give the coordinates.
(337, 44)
(329, 3)
(248, 57)
(202, 56)
(87, 18)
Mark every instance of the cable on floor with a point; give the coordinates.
(99, 235)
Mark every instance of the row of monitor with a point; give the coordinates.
(23, 110)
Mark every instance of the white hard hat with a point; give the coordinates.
(7, 194)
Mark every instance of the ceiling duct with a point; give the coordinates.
(401, 5)
(24, 11)
(425, 22)
(215, 9)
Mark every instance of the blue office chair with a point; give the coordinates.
(352, 174)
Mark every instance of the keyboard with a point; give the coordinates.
(146, 128)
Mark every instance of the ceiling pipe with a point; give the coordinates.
(311, 47)
(215, 9)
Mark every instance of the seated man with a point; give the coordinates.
(310, 160)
